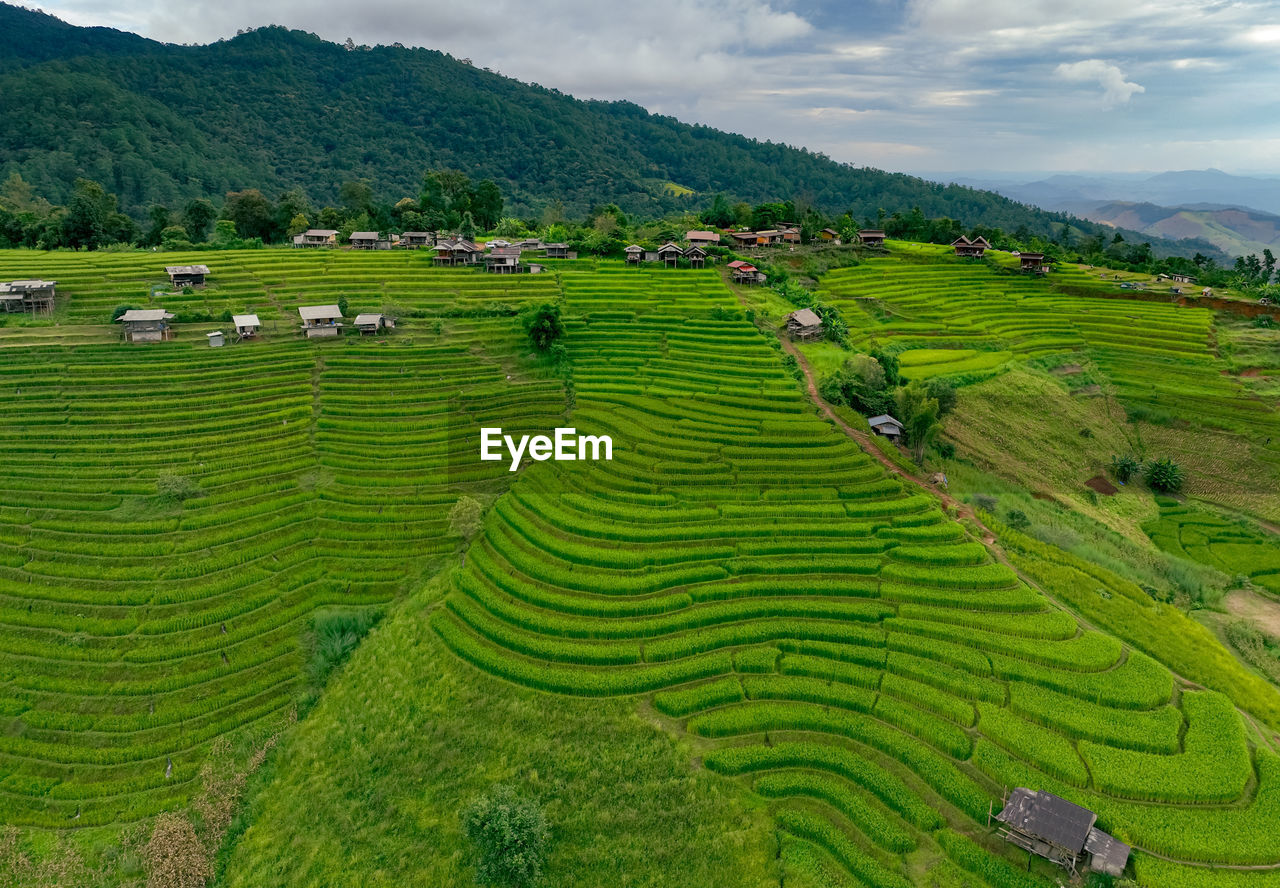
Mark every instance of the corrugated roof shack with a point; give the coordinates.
(317, 237)
(804, 324)
(1055, 829)
(1033, 262)
(146, 325)
(373, 323)
(970, 249)
(186, 275)
(414, 239)
(247, 326)
(321, 321)
(871, 237)
(34, 296)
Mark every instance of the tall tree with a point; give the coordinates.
(85, 226)
(197, 215)
(486, 204)
(252, 213)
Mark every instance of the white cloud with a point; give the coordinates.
(1115, 89)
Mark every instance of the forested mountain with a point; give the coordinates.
(274, 109)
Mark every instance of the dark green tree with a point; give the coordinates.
(510, 834)
(252, 213)
(486, 204)
(197, 216)
(85, 226)
(543, 325)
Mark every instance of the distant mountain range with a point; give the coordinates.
(1237, 214)
(275, 109)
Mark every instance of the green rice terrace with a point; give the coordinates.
(828, 674)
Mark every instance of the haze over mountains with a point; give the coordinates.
(1238, 214)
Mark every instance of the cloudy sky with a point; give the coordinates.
(914, 85)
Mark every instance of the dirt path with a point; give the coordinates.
(1263, 611)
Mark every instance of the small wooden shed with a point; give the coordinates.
(373, 323)
(247, 326)
(364, 240)
(321, 321)
(412, 240)
(871, 237)
(697, 257)
(186, 275)
(635, 254)
(830, 235)
(146, 325)
(804, 324)
(1061, 831)
(503, 260)
(702, 238)
(1032, 262)
(886, 426)
(557, 251)
(317, 237)
(35, 296)
(670, 254)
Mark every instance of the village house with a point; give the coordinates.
(412, 240)
(456, 252)
(746, 273)
(791, 235)
(373, 323)
(830, 235)
(558, 251)
(769, 238)
(804, 324)
(186, 275)
(503, 260)
(146, 325)
(1182, 279)
(530, 244)
(35, 296)
(317, 237)
(702, 238)
(1057, 830)
(970, 249)
(670, 254)
(871, 237)
(1032, 262)
(697, 257)
(364, 240)
(746, 239)
(321, 321)
(247, 326)
(635, 254)
(886, 426)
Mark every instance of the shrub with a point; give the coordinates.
(1164, 475)
(174, 488)
(1125, 467)
(985, 502)
(944, 392)
(120, 310)
(335, 634)
(466, 517)
(543, 325)
(510, 833)
(1017, 519)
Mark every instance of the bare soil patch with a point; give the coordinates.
(1100, 484)
(1262, 611)
(1086, 390)
(1068, 369)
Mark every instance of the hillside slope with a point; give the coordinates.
(1235, 231)
(273, 109)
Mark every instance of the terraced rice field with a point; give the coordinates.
(1233, 547)
(830, 637)
(834, 638)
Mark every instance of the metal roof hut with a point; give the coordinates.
(317, 237)
(146, 325)
(373, 323)
(886, 426)
(413, 239)
(557, 251)
(321, 321)
(247, 326)
(503, 260)
(1058, 830)
(186, 275)
(702, 238)
(364, 240)
(970, 249)
(804, 324)
(871, 237)
(697, 257)
(635, 254)
(829, 234)
(34, 296)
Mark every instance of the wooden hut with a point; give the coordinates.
(804, 324)
(670, 254)
(247, 326)
(412, 240)
(146, 325)
(886, 426)
(635, 254)
(456, 252)
(970, 249)
(503, 260)
(746, 239)
(702, 238)
(364, 240)
(830, 235)
(557, 251)
(1058, 830)
(321, 321)
(186, 275)
(35, 296)
(791, 235)
(1182, 279)
(697, 257)
(217, 339)
(1032, 262)
(317, 237)
(373, 323)
(871, 237)
(746, 273)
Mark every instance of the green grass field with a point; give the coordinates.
(739, 652)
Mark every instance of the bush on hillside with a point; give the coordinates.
(510, 833)
(466, 517)
(1125, 467)
(174, 488)
(543, 325)
(1164, 475)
